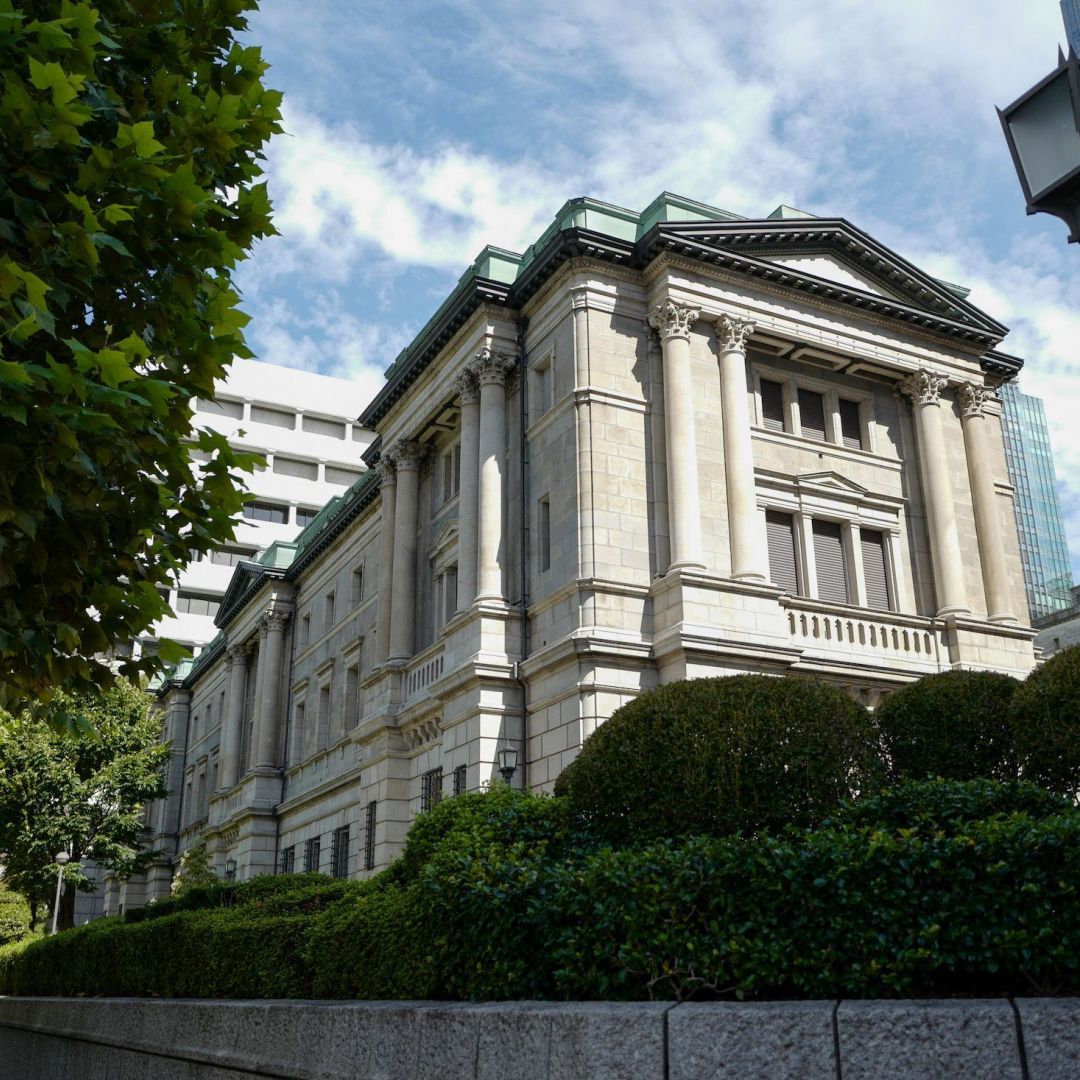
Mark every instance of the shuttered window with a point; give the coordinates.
(772, 405)
(874, 573)
(850, 428)
(832, 578)
(783, 568)
(812, 414)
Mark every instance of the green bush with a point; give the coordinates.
(719, 756)
(1045, 718)
(14, 917)
(947, 805)
(954, 725)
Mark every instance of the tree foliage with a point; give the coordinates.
(81, 795)
(195, 871)
(131, 134)
(1045, 721)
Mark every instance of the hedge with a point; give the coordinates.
(1045, 718)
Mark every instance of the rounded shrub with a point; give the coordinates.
(717, 756)
(14, 917)
(1045, 719)
(954, 725)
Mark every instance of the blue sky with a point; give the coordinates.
(420, 131)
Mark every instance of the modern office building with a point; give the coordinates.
(1044, 552)
(1070, 12)
(653, 446)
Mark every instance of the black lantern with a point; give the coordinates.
(508, 763)
(230, 869)
(1042, 128)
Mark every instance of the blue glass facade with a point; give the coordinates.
(1070, 12)
(1043, 550)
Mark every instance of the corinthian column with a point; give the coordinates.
(388, 487)
(672, 322)
(272, 632)
(232, 723)
(748, 549)
(924, 388)
(469, 493)
(491, 369)
(973, 401)
(406, 457)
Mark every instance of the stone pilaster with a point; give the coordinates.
(672, 322)
(468, 390)
(924, 388)
(973, 399)
(749, 556)
(406, 457)
(272, 632)
(388, 488)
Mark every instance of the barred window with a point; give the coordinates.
(312, 853)
(430, 789)
(287, 863)
(369, 836)
(339, 853)
(461, 779)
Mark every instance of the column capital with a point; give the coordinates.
(732, 333)
(275, 621)
(235, 656)
(466, 386)
(386, 472)
(973, 399)
(672, 320)
(923, 387)
(405, 454)
(489, 366)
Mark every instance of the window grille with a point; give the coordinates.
(772, 405)
(430, 789)
(783, 565)
(875, 576)
(812, 414)
(287, 863)
(369, 836)
(339, 853)
(831, 561)
(312, 853)
(850, 426)
(460, 779)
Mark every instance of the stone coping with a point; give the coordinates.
(996, 1039)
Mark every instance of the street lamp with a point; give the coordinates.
(508, 763)
(62, 858)
(230, 869)
(1042, 128)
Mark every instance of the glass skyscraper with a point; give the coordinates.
(1070, 12)
(1043, 550)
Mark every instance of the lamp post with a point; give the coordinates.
(1042, 128)
(230, 869)
(508, 763)
(62, 859)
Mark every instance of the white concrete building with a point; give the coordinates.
(304, 425)
(652, 446)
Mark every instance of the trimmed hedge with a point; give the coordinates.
(718, 756)
(954, 725)
(1045, 718)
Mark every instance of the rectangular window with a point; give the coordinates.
(221, 407)
(288, 860)
(850, 425)
(287, 466)
(357, 592)
(305, 631)
(875, 574)
(221, 708)
(812, 414)
(329, 605)
(461, 774)
(312, 853)
(451, 472)
(260, 414)
(265, 511)
(369, 836)
(783, 564)
(305, 515)
(334, 429)
(430, 789)
(542, 387)
(772, 405)
(342, 477)
(339, 853)
(352, 697)
(324, 716)
(196, 604)
(831, 561)
(298, 733)
(231, 556)
(449, 593)
(543, 528)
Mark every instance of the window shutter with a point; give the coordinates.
(832, 578)
(850, 428)
(772, 405)
(812, 414)
(780, 532)
(874, 574)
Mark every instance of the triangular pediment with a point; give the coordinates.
(245, 574)
(829, 267)
(830, 481)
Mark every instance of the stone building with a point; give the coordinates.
(653, 446)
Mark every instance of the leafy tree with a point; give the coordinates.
(131, 135)
(82, 795)
(195, 871)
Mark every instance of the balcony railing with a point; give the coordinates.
(424, 669)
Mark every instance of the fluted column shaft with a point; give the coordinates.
(388, 487)
(406, 458)
(749, 556)
(491, 370)
(672, 322)
(268, 721)
(924, 388)
(232, 723)
(995, 576)
(469, 493)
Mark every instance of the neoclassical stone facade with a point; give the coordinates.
(655, 446)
